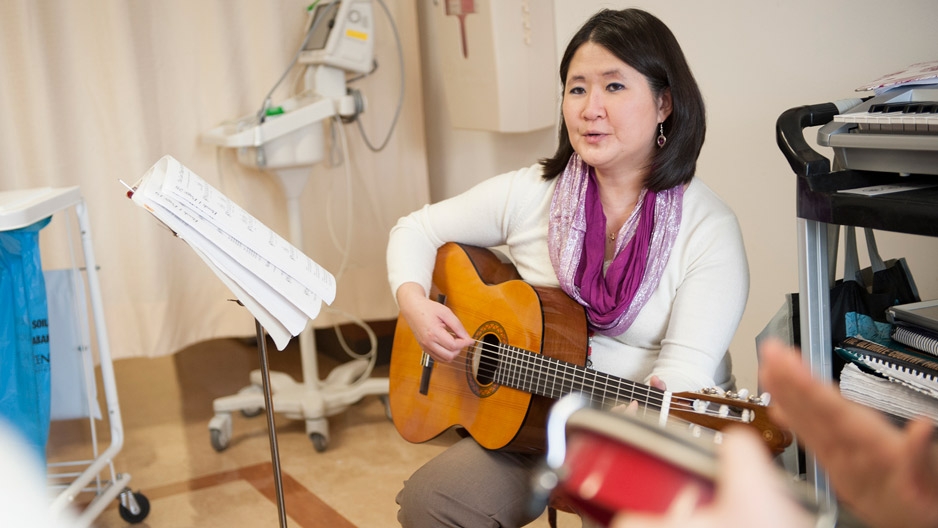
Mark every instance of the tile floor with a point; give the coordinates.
(166, 403)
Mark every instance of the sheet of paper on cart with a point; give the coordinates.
(920, 73)
(281, 286)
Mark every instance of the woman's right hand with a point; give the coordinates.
(436, 328)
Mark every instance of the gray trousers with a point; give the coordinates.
(469, 486)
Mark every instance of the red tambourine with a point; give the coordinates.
(611, 462)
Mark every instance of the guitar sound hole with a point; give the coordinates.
(487, 359)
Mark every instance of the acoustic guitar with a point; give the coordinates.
(530, 349)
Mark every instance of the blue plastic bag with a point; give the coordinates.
(24, 336)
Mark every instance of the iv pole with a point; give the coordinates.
(287, 144)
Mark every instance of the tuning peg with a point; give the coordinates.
(743, 394)
(762, 399)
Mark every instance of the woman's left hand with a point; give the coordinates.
(632, 406)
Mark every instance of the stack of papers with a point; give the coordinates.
(885, 395)
(276, 282)
(921, 73)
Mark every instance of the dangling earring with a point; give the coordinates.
(661, 139)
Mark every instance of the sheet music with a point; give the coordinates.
(281, 286)
(877, 190)
(915, 74)
(245, 233)
(886, 395)
(279, 332)
(911, 379)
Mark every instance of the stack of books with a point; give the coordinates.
(898, 376)
(916, 325)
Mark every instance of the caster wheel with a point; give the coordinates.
(219, 440)
(219, 428)
(319, 441)
(251, 413)
(142, 503)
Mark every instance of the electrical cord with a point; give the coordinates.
(344, 250)
(337, 129)
(262, 113)
(359, 103)
(372, 354)
(400, 100)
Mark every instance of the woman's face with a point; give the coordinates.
(611, 113)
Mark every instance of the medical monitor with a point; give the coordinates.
(340, 34)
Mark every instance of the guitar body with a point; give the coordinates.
(530, 349)
(496, 307)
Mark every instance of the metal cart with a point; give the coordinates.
(821, 204)
(96, 475)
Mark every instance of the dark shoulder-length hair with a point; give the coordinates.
(643, 42)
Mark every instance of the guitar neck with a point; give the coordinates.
(545, 376)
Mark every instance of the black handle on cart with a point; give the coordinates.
(804, 160)
(818, 189)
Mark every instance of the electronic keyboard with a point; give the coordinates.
(896, 132)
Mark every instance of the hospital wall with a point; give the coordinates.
(753, 60)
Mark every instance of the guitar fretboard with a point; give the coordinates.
(545, 376)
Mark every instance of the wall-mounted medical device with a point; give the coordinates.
(343, 39)
(286, 139)
(498, 59)
(339, 38)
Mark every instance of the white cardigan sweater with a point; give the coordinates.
(682, 333)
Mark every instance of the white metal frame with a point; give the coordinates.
(814, 307)
(97, 474)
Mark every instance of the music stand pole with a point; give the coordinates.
(271, 430)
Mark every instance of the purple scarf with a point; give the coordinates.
(577, 238)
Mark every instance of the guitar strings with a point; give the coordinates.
(674, 422)
(605, 382)
(492, 358)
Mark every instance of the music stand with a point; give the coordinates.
(280, 286)
(271, 430)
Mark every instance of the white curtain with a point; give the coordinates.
(94, 92)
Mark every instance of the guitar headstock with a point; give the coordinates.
(714, 409)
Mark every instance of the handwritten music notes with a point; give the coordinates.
(276, 282)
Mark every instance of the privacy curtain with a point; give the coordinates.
(97, 91)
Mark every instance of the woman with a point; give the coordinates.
(617, 220)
